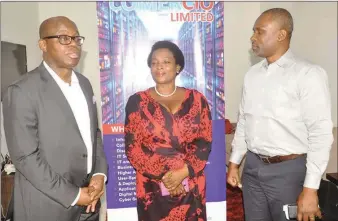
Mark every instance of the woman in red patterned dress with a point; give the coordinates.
(168, 140)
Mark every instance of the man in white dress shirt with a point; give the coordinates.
(51, 128)
(284, 126)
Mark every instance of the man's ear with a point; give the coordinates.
(43, 45)
(282, 35)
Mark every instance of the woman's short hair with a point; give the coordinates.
(178, 54)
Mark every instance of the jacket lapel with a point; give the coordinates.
(90, 103)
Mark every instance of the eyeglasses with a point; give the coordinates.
(66, 39)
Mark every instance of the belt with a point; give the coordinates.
(278, 159)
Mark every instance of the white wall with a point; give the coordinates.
(22, 30)
(314, 38)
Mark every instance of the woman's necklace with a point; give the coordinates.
(165, 95)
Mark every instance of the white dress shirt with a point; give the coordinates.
(78, 103)
(286, 109)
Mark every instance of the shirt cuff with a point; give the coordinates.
(312, 180)
(102, 174)
(77, 198)
(236, 157)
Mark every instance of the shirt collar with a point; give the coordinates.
(57, 78)
(284, 61)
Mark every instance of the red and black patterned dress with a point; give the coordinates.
(158, 141)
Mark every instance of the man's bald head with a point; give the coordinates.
(282, 17)
(49, 25)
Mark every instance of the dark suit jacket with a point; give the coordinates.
(46, 147)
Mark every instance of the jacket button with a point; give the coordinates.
(84, 155)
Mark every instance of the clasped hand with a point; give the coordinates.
(90, 195)
(172, 180)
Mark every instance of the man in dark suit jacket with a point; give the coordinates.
(51, 127)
